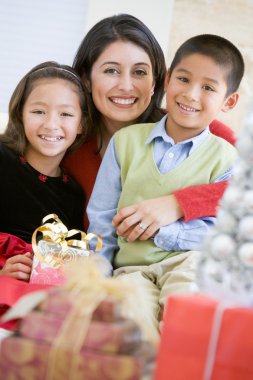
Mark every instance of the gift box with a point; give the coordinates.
(54, 245)
(86, 329)
(202, 339)
(34, 360)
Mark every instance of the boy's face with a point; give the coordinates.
(195, 94)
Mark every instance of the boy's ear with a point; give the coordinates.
(230, 102)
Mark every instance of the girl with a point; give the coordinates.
(47, 118)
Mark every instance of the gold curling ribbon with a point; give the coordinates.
(57, 234)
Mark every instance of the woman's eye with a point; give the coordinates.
(140, 72)
(111, 71)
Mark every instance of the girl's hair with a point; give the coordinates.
(14, 136)
(122, 27)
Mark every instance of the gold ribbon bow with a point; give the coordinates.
(56, 246)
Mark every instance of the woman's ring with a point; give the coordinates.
(143, 226)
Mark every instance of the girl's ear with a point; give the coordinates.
(230, 102)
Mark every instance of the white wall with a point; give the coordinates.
(33, 31)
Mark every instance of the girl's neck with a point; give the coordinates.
(49, 166)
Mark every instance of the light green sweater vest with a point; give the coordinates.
(141, 180)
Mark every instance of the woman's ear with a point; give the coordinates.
(230, 102)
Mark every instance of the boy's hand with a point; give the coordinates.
(18, 267)
(152, 213)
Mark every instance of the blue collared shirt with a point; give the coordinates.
(102, 207)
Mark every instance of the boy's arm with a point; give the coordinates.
(104, 202)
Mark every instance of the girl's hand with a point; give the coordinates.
(151, 213)
(18, 267)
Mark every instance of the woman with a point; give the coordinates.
(121, 94)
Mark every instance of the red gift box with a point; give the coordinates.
(204, 340)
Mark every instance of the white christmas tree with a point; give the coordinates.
(226, 267)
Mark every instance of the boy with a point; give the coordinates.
(150, 160)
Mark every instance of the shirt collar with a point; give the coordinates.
(160, 131)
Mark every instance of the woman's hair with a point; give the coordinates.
(122, 27)
(14, 136)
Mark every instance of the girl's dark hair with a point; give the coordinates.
(222, 51)
(122, 27)
(14, 136)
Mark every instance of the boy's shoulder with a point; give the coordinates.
(222, 143)
(142, 129)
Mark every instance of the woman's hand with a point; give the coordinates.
(151, 213)
(18, 267)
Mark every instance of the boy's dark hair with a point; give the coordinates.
(14, 136)
(222, 51)
(122, 27)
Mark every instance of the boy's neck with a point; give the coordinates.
(179, 134)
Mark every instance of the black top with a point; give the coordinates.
(26, 197)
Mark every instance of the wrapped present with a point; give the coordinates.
(90, 328)
(54, 246)
(27, 359)
(202, 339)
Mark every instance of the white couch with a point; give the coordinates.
(3, 121)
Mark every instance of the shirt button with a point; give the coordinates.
(171, 155)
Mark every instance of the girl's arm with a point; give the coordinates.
(189, 203)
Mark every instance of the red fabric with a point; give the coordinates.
(201, 201)
(186, 335)
(83, 165)
(10, 246)
(11, 290)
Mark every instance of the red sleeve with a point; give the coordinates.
(11, 245)
(201, 201)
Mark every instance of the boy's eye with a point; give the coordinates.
(208, 88)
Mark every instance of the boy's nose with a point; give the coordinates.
(193, 93)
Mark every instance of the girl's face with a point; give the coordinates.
(51, 118)
(122, 84)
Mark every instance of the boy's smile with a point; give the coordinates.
(195, 94)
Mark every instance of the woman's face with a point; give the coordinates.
(122, 84)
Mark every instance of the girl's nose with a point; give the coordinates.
(51, 122)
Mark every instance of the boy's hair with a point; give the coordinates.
(14, 136)
(122, 27)
(222, 51)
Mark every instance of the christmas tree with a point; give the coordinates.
(226, 267)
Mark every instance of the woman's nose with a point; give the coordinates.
(125, 82)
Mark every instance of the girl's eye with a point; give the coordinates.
(208, 88)
(140, 72)
(111, 71)
(183, 79)
(38, 112)
(66, 114)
